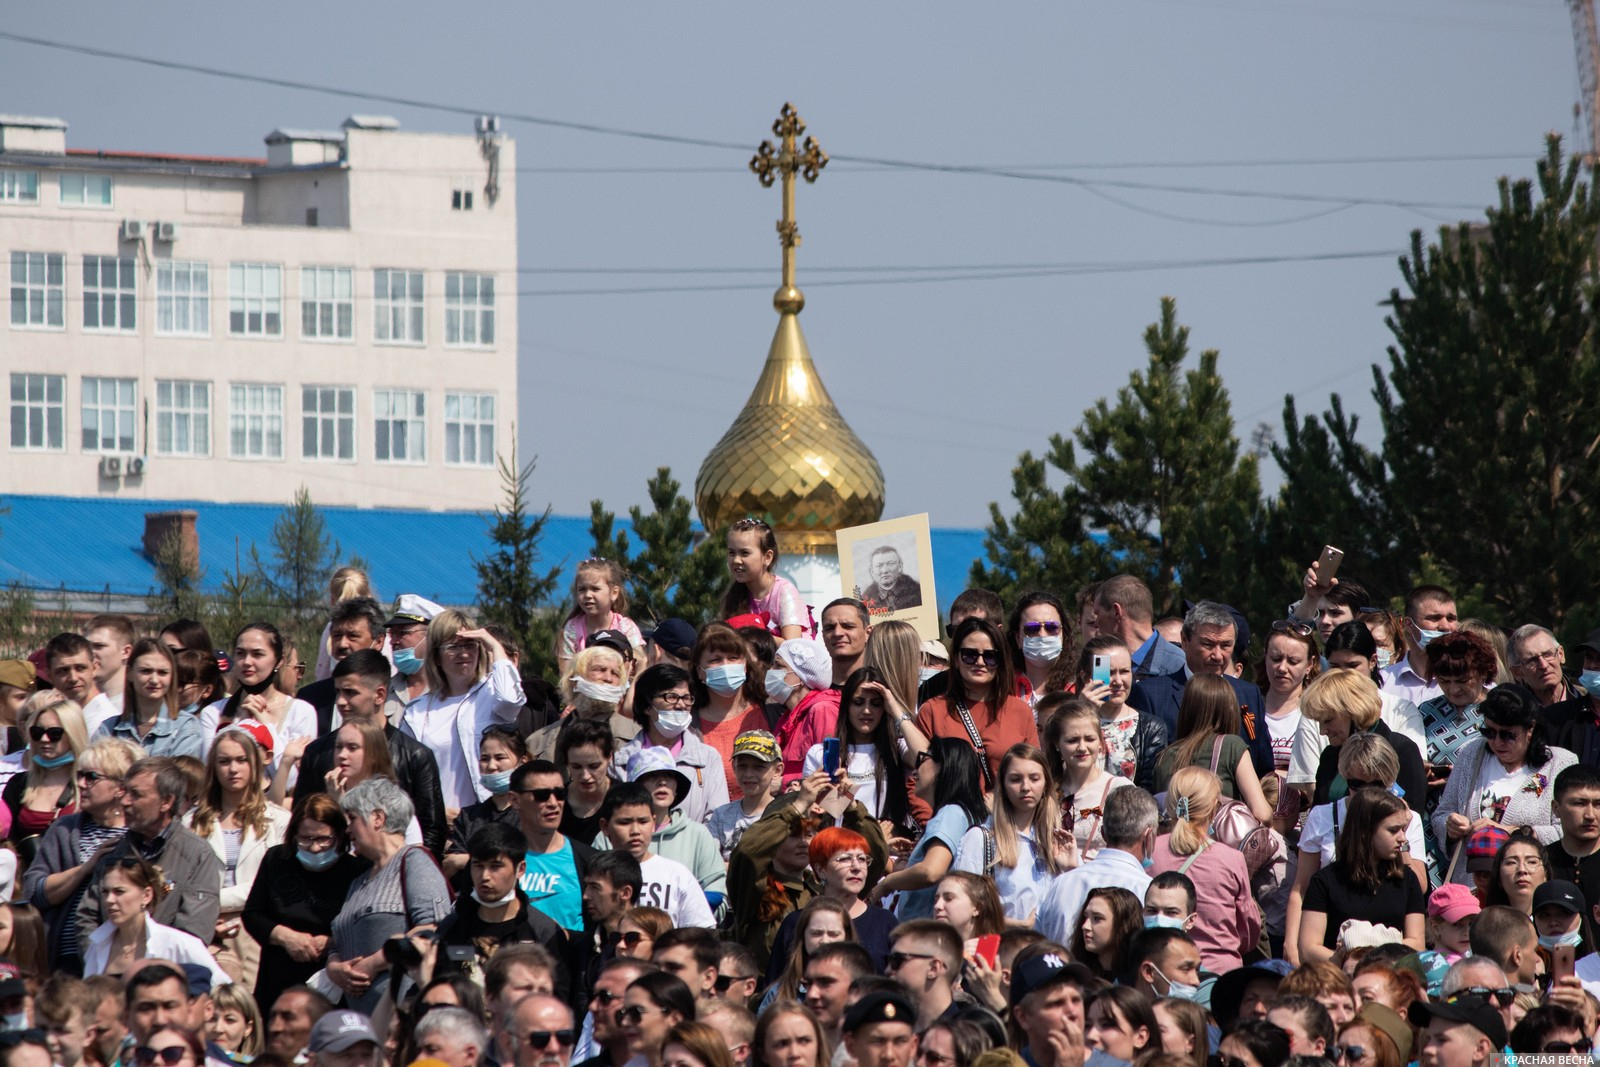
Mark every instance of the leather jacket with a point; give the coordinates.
(415, 770)
(1149, 739)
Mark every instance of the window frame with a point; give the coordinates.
(124, 300)
(475, 423)
(28, 404)
(266, 301)
(45, 288)
(7, 184)
(384, 307)
(315, 274)
(84, 177)
(171, 297)
(237, 411)
(382, 427)
(478, 309)
(319, 418)
(101, 408)
(189, 412)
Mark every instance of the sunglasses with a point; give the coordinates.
(1348, 1054)
(897, 960)
(1034, 629)
(633, 937)
(922, 757)
(725, 981)
(990, 657)
(1561, 1048)
(541, 1038)
(541, 796)
(1489, 733)
(172, 1055)
(89, 778)
(1502, 997)
(10, 1039)
(633, 1014)
(51, 734)
(1299, 629)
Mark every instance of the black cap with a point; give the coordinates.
(1474, 1011)
(675, 637)
(879, 1008)
(1227, 994)
(1591, 643)
(612, 639)
(1558, 894)
(1043, 971)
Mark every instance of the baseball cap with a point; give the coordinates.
(199, 977)
(254, 729)
(879, 1008)
(1474, 1011)
(615, 640)
(1044, 971)
(1484, 845)
(339, 1030)
(651, 760)
(18, 672)
(1591, 643)
(675, 637)
(410, 609)
(1453, 902)
(1559, 894)
(758, 743)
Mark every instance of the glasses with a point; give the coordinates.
(171, 1055)
(1561, 1048)
(897, 960)
(633, 1014)
(1489, 733)
(922, 757)
(927, 1055)
(460, 649)
(1533, 659)
(87, 779)
(631, 938)
(542, 796)
(1034, 629)
(541, 1038)
(1349, 1053)
(675, 700)
(1287, 626)
(605, 996)
(725, 981)
(990, 657)
(308, 843)
(1502, 997)
(51, 734)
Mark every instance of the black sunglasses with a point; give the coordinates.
(91, 777)
(633, 1014)
(922, 757)
(1489, 733)
(897, 960)
(171, 1055)
(1503, 997)
(541, 1038)
(632, 938)
(725, 981)
(10, 1039)
(51, 734)
(1561, 1048)
(541, 795)
(990, 657)
(1349, 1053)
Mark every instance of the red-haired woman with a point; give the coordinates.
(840, 860)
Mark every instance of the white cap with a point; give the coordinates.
(411, 608)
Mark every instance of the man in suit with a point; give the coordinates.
(891, 587)
(1210, 632)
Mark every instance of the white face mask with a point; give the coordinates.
(1041, 649)
(599, 691)
(673, 721)
(928, 672)
(779, 690)
(502, 902)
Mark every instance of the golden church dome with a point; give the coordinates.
(789, 457)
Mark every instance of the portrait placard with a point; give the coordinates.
(888, 566)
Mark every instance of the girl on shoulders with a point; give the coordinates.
(599, 602)
(757, 589)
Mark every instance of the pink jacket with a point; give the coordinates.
(1227, 921)
(814, 718)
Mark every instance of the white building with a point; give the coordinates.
(339, 315)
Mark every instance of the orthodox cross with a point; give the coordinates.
(783, 160)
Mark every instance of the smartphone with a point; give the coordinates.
(830, 756)
(989, 949)
(1561, 960)
(1102, 670)
(1328, 565)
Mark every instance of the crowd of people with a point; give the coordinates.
(1061, 837)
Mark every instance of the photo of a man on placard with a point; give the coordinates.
(892, 589)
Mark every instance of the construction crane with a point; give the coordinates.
(1586, 37)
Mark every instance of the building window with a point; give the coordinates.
(327, 422)
(469, 310)
(397, 306)
(469, 429)
(400, 416)
(461, 200)
(109, 293)
(38, 289)
(38, 412)
(108, 414)
(19, 187)
(183, 418)
(327, 307)
(255, 421)
(255, 300)
(86, 190)
(183, 298)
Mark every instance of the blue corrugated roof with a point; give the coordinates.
(94, 545)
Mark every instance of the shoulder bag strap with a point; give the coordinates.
(960, 704)
(1196, 855)
(1216, 753)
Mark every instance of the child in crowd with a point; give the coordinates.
(756, 587)
(628, 821)
(758, 765)
(1452, 908)
(675, 837)
(598, 603)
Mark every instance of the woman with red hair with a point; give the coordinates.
(840, 860)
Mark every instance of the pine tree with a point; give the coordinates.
(513, 591)
(676, 572)
(295, 579)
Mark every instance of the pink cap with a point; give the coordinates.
(1452, 903)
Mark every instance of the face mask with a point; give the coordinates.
(1164, 922)
(502, 902)
(599, 691)
(673, 721)
(1385, 657)
(778, 690)
(928, 672)
(60, 761)
(406, 661)
(497, 782)
(725, 678)
(1574, 939)
(1041, 649)
(316, 861)
(1590, 680)
(14, 1021)
(1148, 863)
(1425, 636)
(1178, 990)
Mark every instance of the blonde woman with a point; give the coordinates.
(895, 649)
(471, 685)
(47, 788)
(1018, 846)
(1227, 921)
(591, 691)
(237, 1025)
(347, 583)
(240, 824)
(1344, 704)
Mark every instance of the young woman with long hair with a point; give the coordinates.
(1370, 880)
(584, 752)
(360, 753)
(1134, 738)
(1111, 918)
(788, 1035)
(872, 751)
(652, 1005)
(1291, 663)
(1121, 1022)
(150, 709)
(199, 680)
(1075, 743)
(1521, 866)
(949, 782)
(235, 816)
(47, 787)
(970, 904)
(821, 922)
(1018, 846)
(1227, 918)
(1036, 634)
(1208, 736)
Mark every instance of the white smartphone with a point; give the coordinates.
(1102, 670)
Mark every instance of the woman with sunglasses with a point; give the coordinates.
(150, 706)
(47, 787)
(661, 703)
(1134, 738)
(128, 891)
(638, 929)
(788, 1035)
(652, 1005)
(170, 1046)
(952, 1043)
(948, 780)
(1035, 636)
(980, 706)
(300, 887)
(1506, 775)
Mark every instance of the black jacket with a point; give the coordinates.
(1150, 737)
(415, 769)
(532, 927)
(320, 695)
(1413, 778)
(1162, 695)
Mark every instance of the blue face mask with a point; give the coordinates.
(406, 661)
(60, 761)
(1574, 939)
(497, 782)
(1426, 636)
(316, 861)
(928, 672)
(1590, 680)
(1163, 922)
(725, 678)
(1148, 863)
(1179, 990)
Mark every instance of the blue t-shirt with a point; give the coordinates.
(947, 827)
(551, 883)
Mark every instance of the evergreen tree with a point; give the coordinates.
(295, 580)
(513, 590)
(676, 573)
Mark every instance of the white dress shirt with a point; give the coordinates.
(1059, 908)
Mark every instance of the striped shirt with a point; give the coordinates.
(91, 835)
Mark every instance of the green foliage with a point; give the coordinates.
(291, 586)
(675, 573)
(513, 590)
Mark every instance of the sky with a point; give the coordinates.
(1363, 119)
